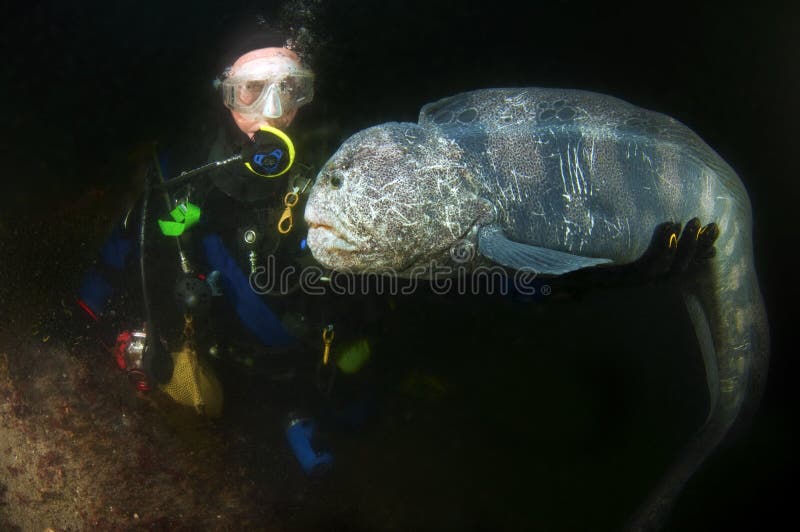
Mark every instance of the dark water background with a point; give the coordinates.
(577, 410)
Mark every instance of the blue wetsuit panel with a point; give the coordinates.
(95, 289)
(250, 308)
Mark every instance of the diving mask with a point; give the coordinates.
(268, 96)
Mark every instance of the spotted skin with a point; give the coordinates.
(568, 170)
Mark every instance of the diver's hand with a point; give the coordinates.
(673, 251)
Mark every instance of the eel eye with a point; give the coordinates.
(336, 181)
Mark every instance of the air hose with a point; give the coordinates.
(155, 361)
(269, 155)
(191, 174)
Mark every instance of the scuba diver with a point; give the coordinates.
(213, 228)
(180, 283)
(225, 219)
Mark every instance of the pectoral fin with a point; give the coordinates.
(494, 245)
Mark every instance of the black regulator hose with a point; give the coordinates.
(191, 174)
(155, 361)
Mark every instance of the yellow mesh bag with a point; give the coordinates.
(194, 384)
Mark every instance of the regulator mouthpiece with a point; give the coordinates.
(271, 153)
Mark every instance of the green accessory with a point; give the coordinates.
(353, 356)
(185, 215)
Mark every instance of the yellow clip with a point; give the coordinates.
(188, 329)
(188, 325)
(673, 240)
(285, 223)
(700, 232)
(327, 339)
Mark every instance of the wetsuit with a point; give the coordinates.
(233, 201)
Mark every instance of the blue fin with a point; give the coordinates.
(494, 245)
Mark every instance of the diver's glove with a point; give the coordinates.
(673, 251)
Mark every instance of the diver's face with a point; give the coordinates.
(250, 124)
(264, 64)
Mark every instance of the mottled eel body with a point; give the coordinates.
(556, 181)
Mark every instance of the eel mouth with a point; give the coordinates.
(329, 233)
(326, 237)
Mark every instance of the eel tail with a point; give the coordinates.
(727, 310)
